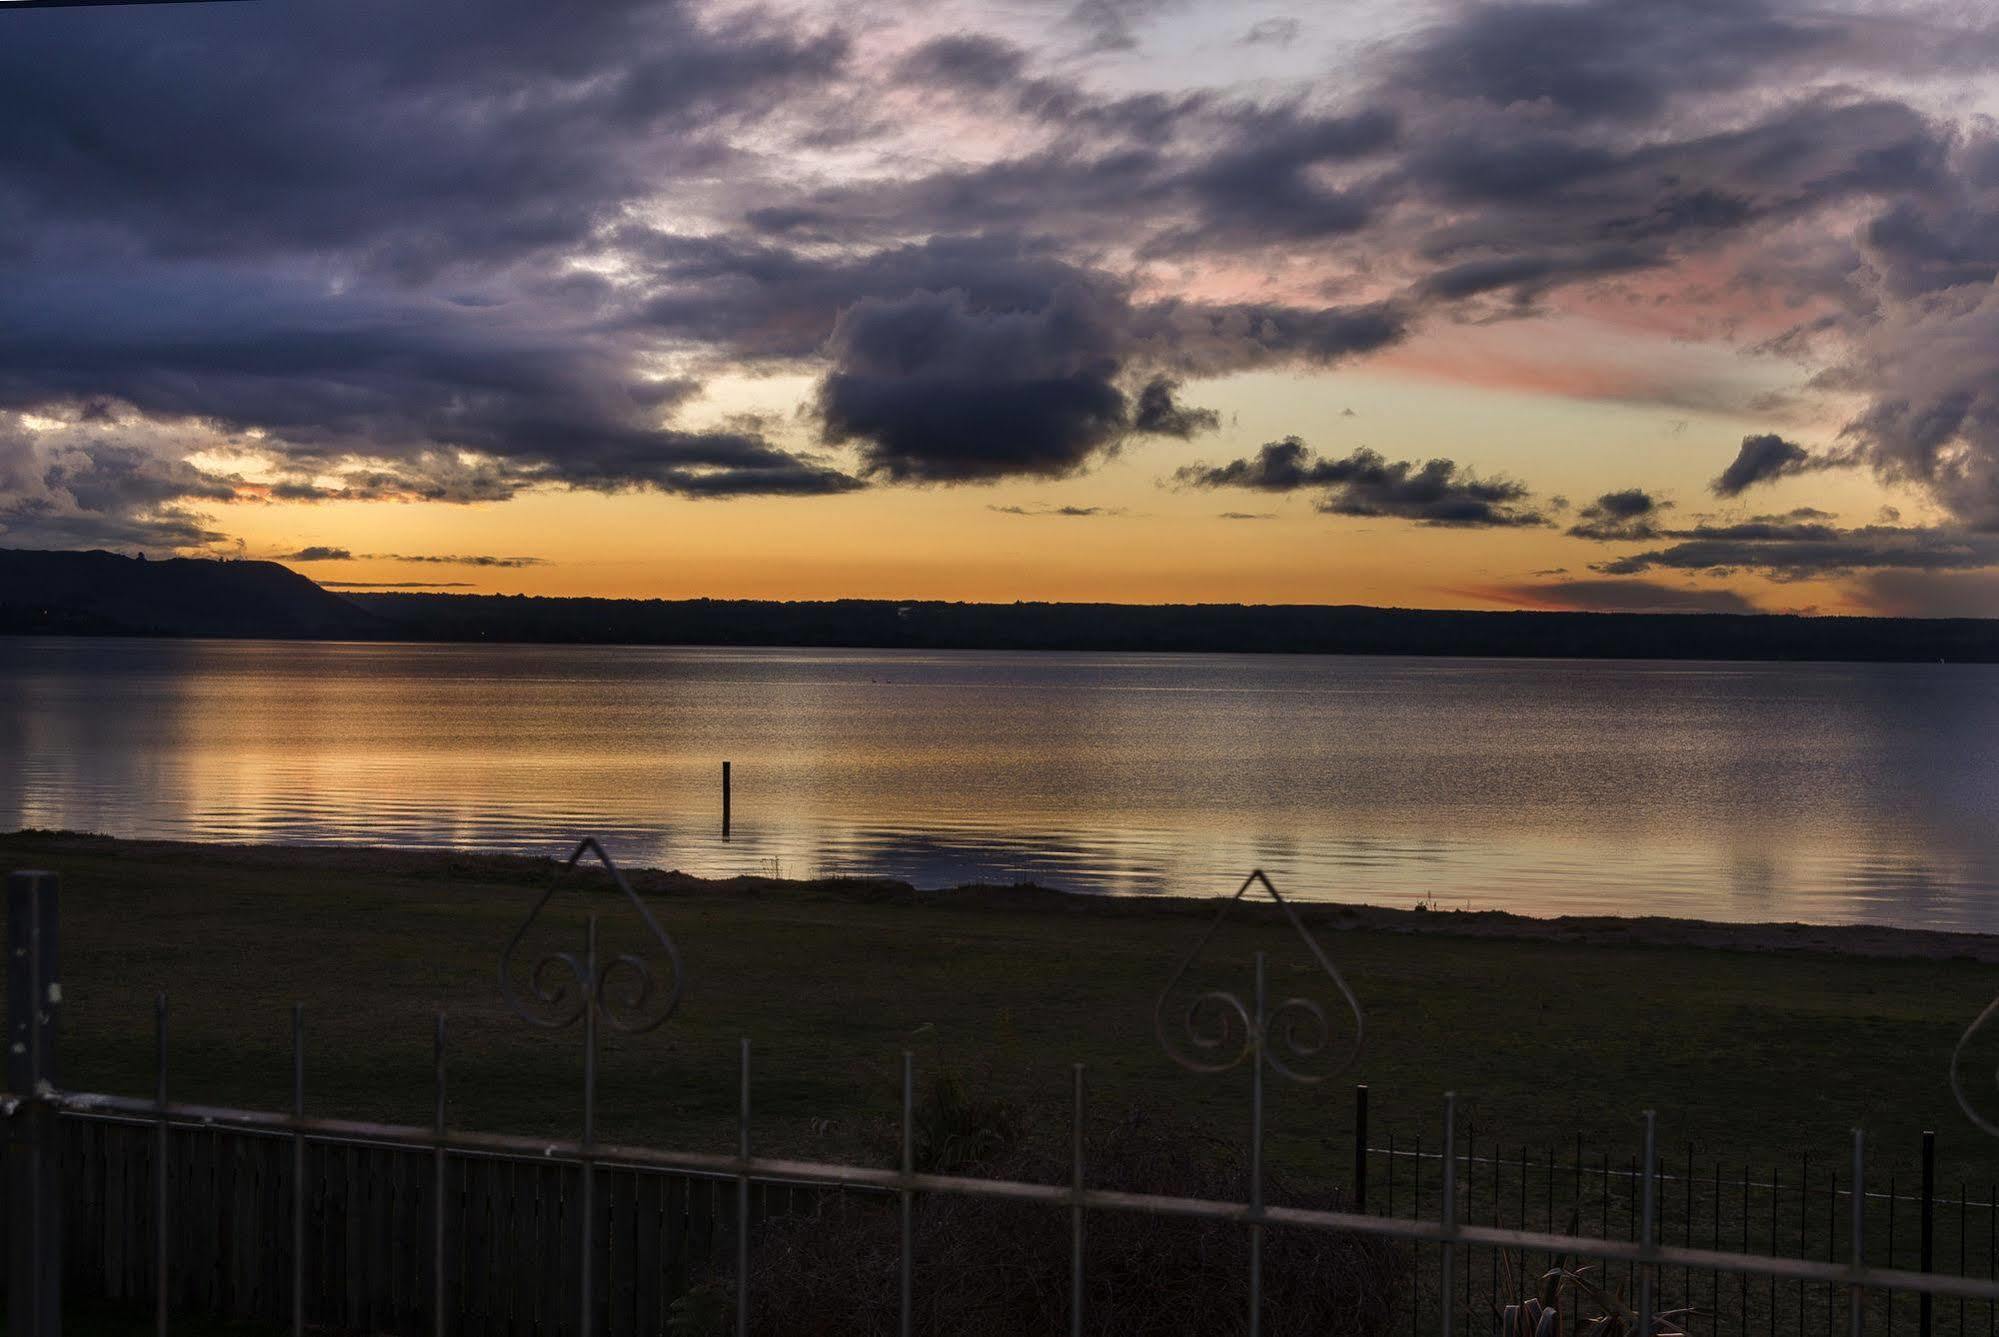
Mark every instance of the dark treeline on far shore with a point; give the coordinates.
(104, 594)
(1262, 628)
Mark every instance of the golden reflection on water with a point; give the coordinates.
(1736, 791)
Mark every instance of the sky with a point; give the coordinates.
(1683, 305)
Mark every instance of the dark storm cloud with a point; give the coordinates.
(370, 279)
(1787, 549)
(1526, 209)
(1617, 596)
(1930, 593)
(326, 554)
(1157, 412)
(1028, 370)
(964, 60)
(1114, 25)
(81, 486)
(1629, 515)
(405, 382)
(1066, 512)
(377, 287)
(1765, 457)
(460, 131)
(932, 389)
(1278, 32)
(1265, 183)
(1606, 59)
(1434, 492)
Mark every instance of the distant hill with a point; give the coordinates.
(1296, 628)
(102, 593)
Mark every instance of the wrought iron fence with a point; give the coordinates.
(1454, 1226)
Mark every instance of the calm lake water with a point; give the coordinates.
(1823, 792)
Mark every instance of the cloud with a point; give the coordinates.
(583, 220)
(327, 554)
(933, 390)
(938, 387)
(1157, 413)
(395, 584)
(1364, 483)
(1073, 512)
(1617, 517)
(1614, 596)
(81, 485)
(1766, 457)
(1247, 515)
(1787, 548)
(1277, 32)
(1901, 593)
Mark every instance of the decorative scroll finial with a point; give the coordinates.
(560, 986)
(1217, 1030)
(1957, 1062)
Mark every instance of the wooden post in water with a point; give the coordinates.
(725, 800)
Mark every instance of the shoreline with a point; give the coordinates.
(1865, 941)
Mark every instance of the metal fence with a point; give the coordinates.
(1456, 1199)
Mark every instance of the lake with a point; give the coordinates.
(1819, 792)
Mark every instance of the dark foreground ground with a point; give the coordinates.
(1753, 1042)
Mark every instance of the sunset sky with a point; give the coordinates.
(1683, 304)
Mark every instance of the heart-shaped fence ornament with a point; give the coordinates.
(1216, 1030)
(1957, 1066)
(558, 987)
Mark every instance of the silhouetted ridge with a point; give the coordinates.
(102, 593)
(1258, 628)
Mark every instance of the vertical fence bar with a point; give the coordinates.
(1360, 1147)
(1076, 1212)
(743, 1200)
(437, 1204)
(1415, 1211)
(34, 1294)
(1855, 1298)
(1446, 1302)
(1256, 1157)
(906, 1279)
(160, 1165)
(298, 1170)
(1645, 1234)
(586, 1216)
(1926, 1303)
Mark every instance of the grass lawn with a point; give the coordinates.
(1752, 1055)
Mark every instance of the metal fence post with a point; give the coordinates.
(1926, 1303)
(1360, 1147)
(1647, 1241)
(298, 1170)
(1855, 1295)
(160, 1153)
(1076, 1212)
(34, 992)
(1446, 1297)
